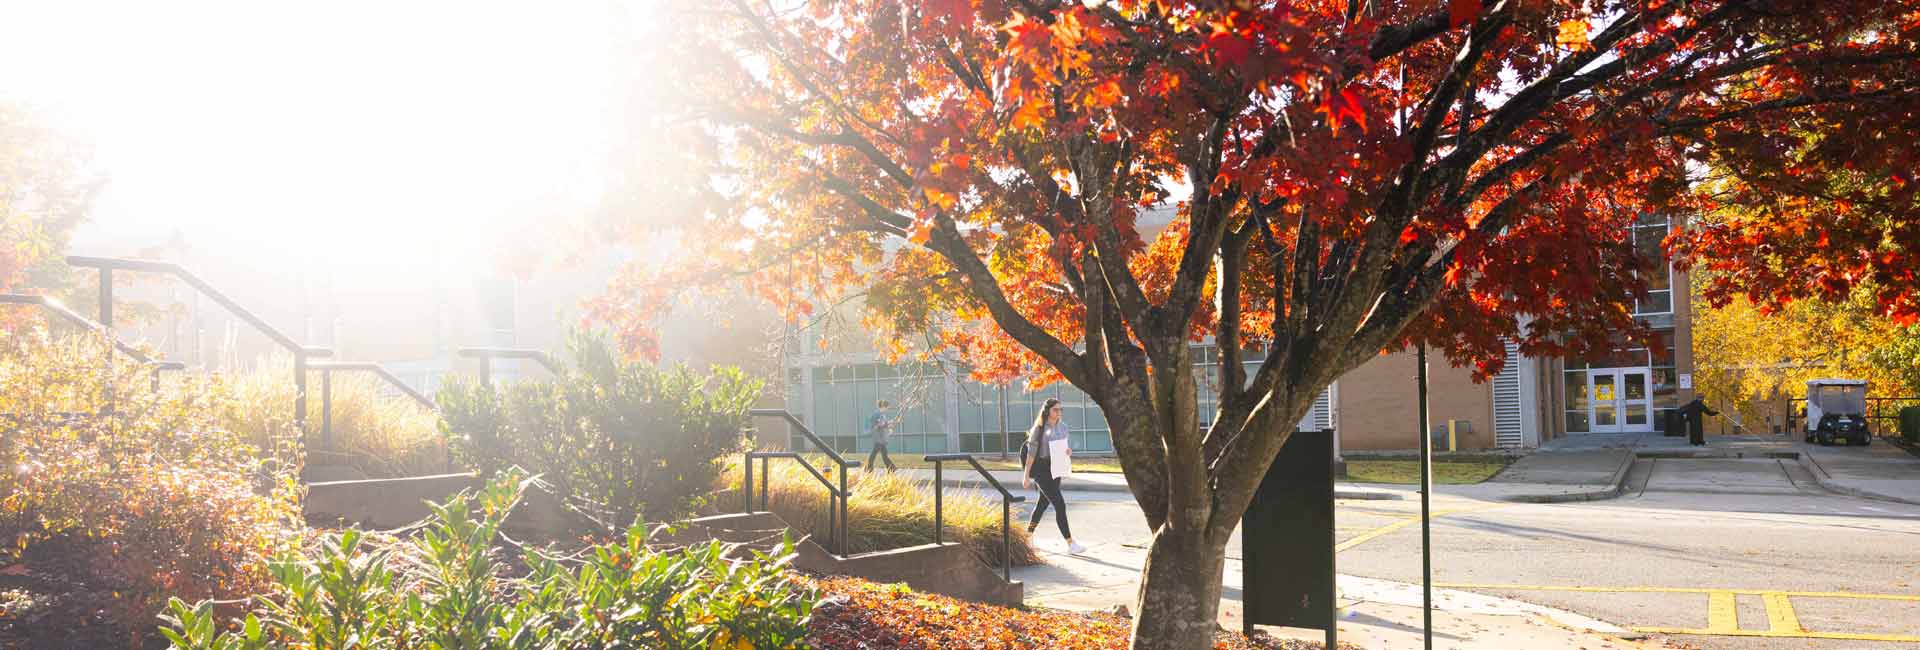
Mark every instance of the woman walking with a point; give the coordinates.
(1047, 459)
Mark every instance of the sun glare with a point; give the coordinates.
(357, 135)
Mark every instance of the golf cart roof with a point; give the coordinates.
(1836, 382)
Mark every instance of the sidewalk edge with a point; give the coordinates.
(1614, 486)
(1827, 483)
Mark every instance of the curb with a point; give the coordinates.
(1338, 493)
(1615, 485)
(1820, 477)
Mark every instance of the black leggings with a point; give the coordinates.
(879, 450)
(1049, 493)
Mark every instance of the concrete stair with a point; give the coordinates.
(948, 569)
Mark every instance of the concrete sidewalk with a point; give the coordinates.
(1375, 614)
(1107, 482)
(1877, 471)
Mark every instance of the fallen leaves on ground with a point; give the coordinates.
(859, 614)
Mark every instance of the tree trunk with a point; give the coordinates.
(1179, 601)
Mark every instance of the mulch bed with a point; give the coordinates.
(856, 614)
(47, 610)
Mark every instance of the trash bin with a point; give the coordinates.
(1676, 423)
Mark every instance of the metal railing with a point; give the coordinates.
(54, 307)
(1883, 415)
(1007, 499)
(487, 355)
(837, 498)
(327, 368)
(301, 353)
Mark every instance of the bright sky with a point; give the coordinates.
(349, 133)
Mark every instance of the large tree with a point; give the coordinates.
(1349, 176)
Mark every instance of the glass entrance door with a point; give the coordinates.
(1620, 400)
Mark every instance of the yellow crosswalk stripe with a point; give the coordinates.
(1722, 617)
(1780, 616)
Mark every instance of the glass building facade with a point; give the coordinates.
(940, 410)
(1633, 387)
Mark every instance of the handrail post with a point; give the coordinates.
(746, 484)
(765, 480)
(1006, 540)
(106, 299)
(937, 514)
(326, 409)
(300, 390)
(844, 495)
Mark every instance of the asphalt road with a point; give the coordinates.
(1739, 552)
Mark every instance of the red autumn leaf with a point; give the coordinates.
(1460, 12)
(958, 12)
(1227, 47)
(1344, 105)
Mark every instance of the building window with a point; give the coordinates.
(844, 396)
(1648, 232)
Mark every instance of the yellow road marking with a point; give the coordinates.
(1780, 616)
(1680, 590)
(1787, 635)
(1721, 615)
(1363, 538)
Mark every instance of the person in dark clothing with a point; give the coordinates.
(1696, 426)
(880, 427)
(1045, 448)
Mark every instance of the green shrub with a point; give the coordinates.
(621, 440)
(136, 490)
(888, 511)
(453, 593)
(381, 435)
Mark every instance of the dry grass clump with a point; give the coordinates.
(383, 436)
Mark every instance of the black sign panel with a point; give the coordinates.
(1286, 538)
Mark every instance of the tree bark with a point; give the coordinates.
(1179, 602)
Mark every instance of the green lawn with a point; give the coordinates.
(1406, 471)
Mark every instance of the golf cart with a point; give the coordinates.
(1837, 411)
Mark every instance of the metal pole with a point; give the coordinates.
(1426, 498)
(106, 322)
(844, 495)
(746, 483)
(106, 299)
(1006, 540)
(1006, 436)
(936, 502)
(300, 390)
(326, 409)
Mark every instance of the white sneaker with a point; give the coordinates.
(1074, 548)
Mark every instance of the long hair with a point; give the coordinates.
(1036, 434)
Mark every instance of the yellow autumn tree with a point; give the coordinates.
(1753, 364)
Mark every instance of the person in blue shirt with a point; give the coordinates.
(1038, 461)
(879, 428)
